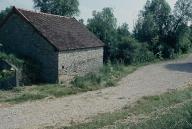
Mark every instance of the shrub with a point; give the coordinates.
(6, 79)
(143, 54)
(28, 67)
(106, 77)
(168, 52)
(91, 79)
(129, 51)
(184, 42)
(126, 50)
(11, 59)
(5, 74)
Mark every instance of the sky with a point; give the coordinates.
(124, 10)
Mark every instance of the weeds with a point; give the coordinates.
(108, 76)
(26, 97)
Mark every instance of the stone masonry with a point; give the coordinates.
(79, 62)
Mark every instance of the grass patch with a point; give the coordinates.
(144, 107)
(108, 76)
(31, 93)
(26, 97)
(176, 118)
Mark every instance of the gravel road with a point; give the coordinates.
(148, 80)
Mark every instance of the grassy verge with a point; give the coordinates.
(178, 117)
(172, 110)
(107, 77)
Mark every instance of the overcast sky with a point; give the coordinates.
(124, 10)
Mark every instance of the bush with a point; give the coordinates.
(91, 79)
(28, 67)
(7, 79)
(129, 51)
(5, 74)
(106, 77)
(143, 54)
(126, 50)
(11, 59)
(168, 52)
(183, 41)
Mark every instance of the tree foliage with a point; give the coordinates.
(4, 13)
(120, 46)
(182, 13)
(123, 30)
(58, 7)
(166, 33)
(130, 51)
(152, 21)
(103, 25)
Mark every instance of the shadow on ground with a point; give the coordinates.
(181, 67)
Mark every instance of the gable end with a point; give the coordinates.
(16, 11)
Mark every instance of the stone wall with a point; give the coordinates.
(79, 62)
(20, 38)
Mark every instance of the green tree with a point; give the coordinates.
(81, 21)
(179, 32)
(146, 29)
(103, 25)
(154, 27)
(191, 34)
(58, 7)
(152, 20)
(184, 39)
(120, 46)
(123, 30)
(130, 51)
(4, 13)
(182, 13)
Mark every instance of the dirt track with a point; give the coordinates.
(148, 80)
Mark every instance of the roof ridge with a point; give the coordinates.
(62, 34)
(49, 14)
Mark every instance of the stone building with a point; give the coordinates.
(62, 46)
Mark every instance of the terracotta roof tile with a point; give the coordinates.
(62, 32)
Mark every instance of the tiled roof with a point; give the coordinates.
(62, 32)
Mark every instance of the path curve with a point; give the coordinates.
(148, 80)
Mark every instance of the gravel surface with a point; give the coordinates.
(149, 80)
